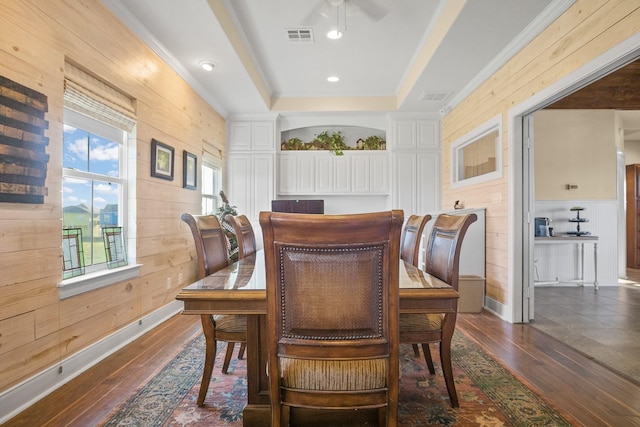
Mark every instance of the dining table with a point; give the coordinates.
(240, 288)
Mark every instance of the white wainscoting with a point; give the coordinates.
(562, 262)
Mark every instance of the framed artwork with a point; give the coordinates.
(189, 171)
(72, 253)
(114, 247)
(161, 160)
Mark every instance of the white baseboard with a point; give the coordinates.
(495, 307)
(21, 396)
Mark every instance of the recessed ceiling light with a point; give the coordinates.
(207, 65)
(334, 34)
(333, 79)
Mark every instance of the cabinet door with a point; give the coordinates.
(428, 179)
(306, 174)
(287, 173)
(324, 174)
(342, 174)
(262, 136)
(405, 183)
(240, 136)
(360, 174)
(262, 184)
(405, 134)
(239, 179)
(428, 134)
(378, 174)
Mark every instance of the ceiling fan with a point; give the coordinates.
(331, 9)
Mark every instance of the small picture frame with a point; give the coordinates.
(162, 156)
(189, 170)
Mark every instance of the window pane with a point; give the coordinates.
(104, 156)
(75, 149)
(77, 211)
(207, 180)
(90, 205)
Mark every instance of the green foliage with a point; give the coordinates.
(374, 142)
(333, 142)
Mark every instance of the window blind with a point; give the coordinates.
(86, 94)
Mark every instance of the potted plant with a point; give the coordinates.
(334, 142)
(374, 142)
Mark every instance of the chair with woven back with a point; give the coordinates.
(442, 261)
(410, 252)
(244, 233)
(212, 255)
(332, 312)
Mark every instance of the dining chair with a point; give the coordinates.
(244, 233)
(441, 261)
(411, 236)
(332, 312)
(212, 255)
(410, 252)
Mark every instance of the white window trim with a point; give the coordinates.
(101, 278)
(96, 280)
(456, 147)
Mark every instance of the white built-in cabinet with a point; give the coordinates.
(252, 135)
(251, 182)
(251, 166)
(407, 175)
(324, 173)
(416, 170)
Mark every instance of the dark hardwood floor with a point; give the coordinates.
(574, 384)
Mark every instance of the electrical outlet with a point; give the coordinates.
(168, 282)
(179, 277)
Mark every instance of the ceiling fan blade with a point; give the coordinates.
(321, 9)
(374, 11)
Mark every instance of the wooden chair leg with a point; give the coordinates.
(227, 357)
(416, 350)
(428, 358)
(243, 347)
(210, 356)
(445, 357)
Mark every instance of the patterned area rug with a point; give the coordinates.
(489, 395)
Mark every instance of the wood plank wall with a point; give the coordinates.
(586, 30)
(37, 330)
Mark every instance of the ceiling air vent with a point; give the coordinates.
(304, 35)
(434, 96)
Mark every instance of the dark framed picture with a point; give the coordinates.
(189, 170)
(161, 160)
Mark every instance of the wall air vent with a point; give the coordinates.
(301, 35)
(434, 96)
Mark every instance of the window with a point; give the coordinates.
(98, 138)
(93, 182)
(211, 184)
(477, 156)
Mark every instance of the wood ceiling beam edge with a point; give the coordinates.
(445, 18)
(362, 103)
(227, 24)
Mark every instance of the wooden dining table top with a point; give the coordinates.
(240, 288)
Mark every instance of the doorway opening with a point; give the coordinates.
(522, 174)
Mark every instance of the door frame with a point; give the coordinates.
(521, 178)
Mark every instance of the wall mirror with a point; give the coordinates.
(477, 156)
